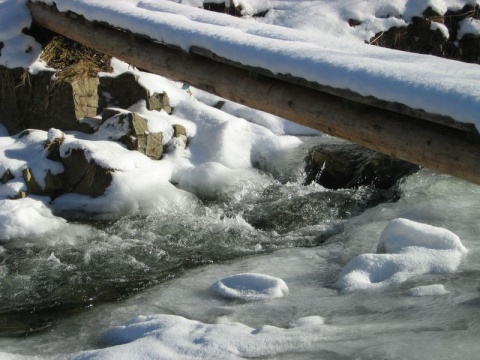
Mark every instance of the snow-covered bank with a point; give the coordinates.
(422, 82)
(337, 57)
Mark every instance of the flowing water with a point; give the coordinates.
(59, 292)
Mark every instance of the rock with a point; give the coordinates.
(345, 165)
(108, 113)
(53, 184)
(53, 143)
(40, 102)
(19, 195)
(126, 91)
(159, 102)
(7, 176)
(132, 130)
(140, 139)
(32, 184)
(417, 37)
(84, 176)
(179, 130)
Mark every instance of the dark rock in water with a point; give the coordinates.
(41, 102)
(345, 165)
(83, 176)
(126, 91)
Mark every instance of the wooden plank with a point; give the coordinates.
(444, 149)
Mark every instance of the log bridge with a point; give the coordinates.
(430, 140)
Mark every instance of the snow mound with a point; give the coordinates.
(411, 249)
(250, 286)
(174, 337)
(428, 290)
(24, 217)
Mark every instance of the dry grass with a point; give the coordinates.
(74, 59)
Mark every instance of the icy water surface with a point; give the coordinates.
(59, 294)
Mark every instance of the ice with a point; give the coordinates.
(428, 290)
(411, 249)
(250, 286)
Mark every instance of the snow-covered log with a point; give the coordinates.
(443, 145)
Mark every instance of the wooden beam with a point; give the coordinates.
(441, 148)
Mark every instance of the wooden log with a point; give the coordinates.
(443, 149)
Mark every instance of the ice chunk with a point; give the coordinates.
(428, 290)
(250, 286)
(411, 249)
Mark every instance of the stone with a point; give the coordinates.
(40, 102)
(136, 136)
(346, 165)
(179, 130)
(19, 195)
(84, 176)
(108, 113)
(126, 91)
(54, 184)
(159, 102)
(7, 176)
(32, 184)
(52, 145)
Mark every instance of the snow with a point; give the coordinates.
(232, 146)
(435, 85)
(308, 50)
(175, 337)
(406, 249)
(250, 286)
(468, 26)
(24, 217)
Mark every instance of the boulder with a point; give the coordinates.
(40, 102)
(140, 139)
(346, 165)
(132, 130)
(7, 176)
(83, 176)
